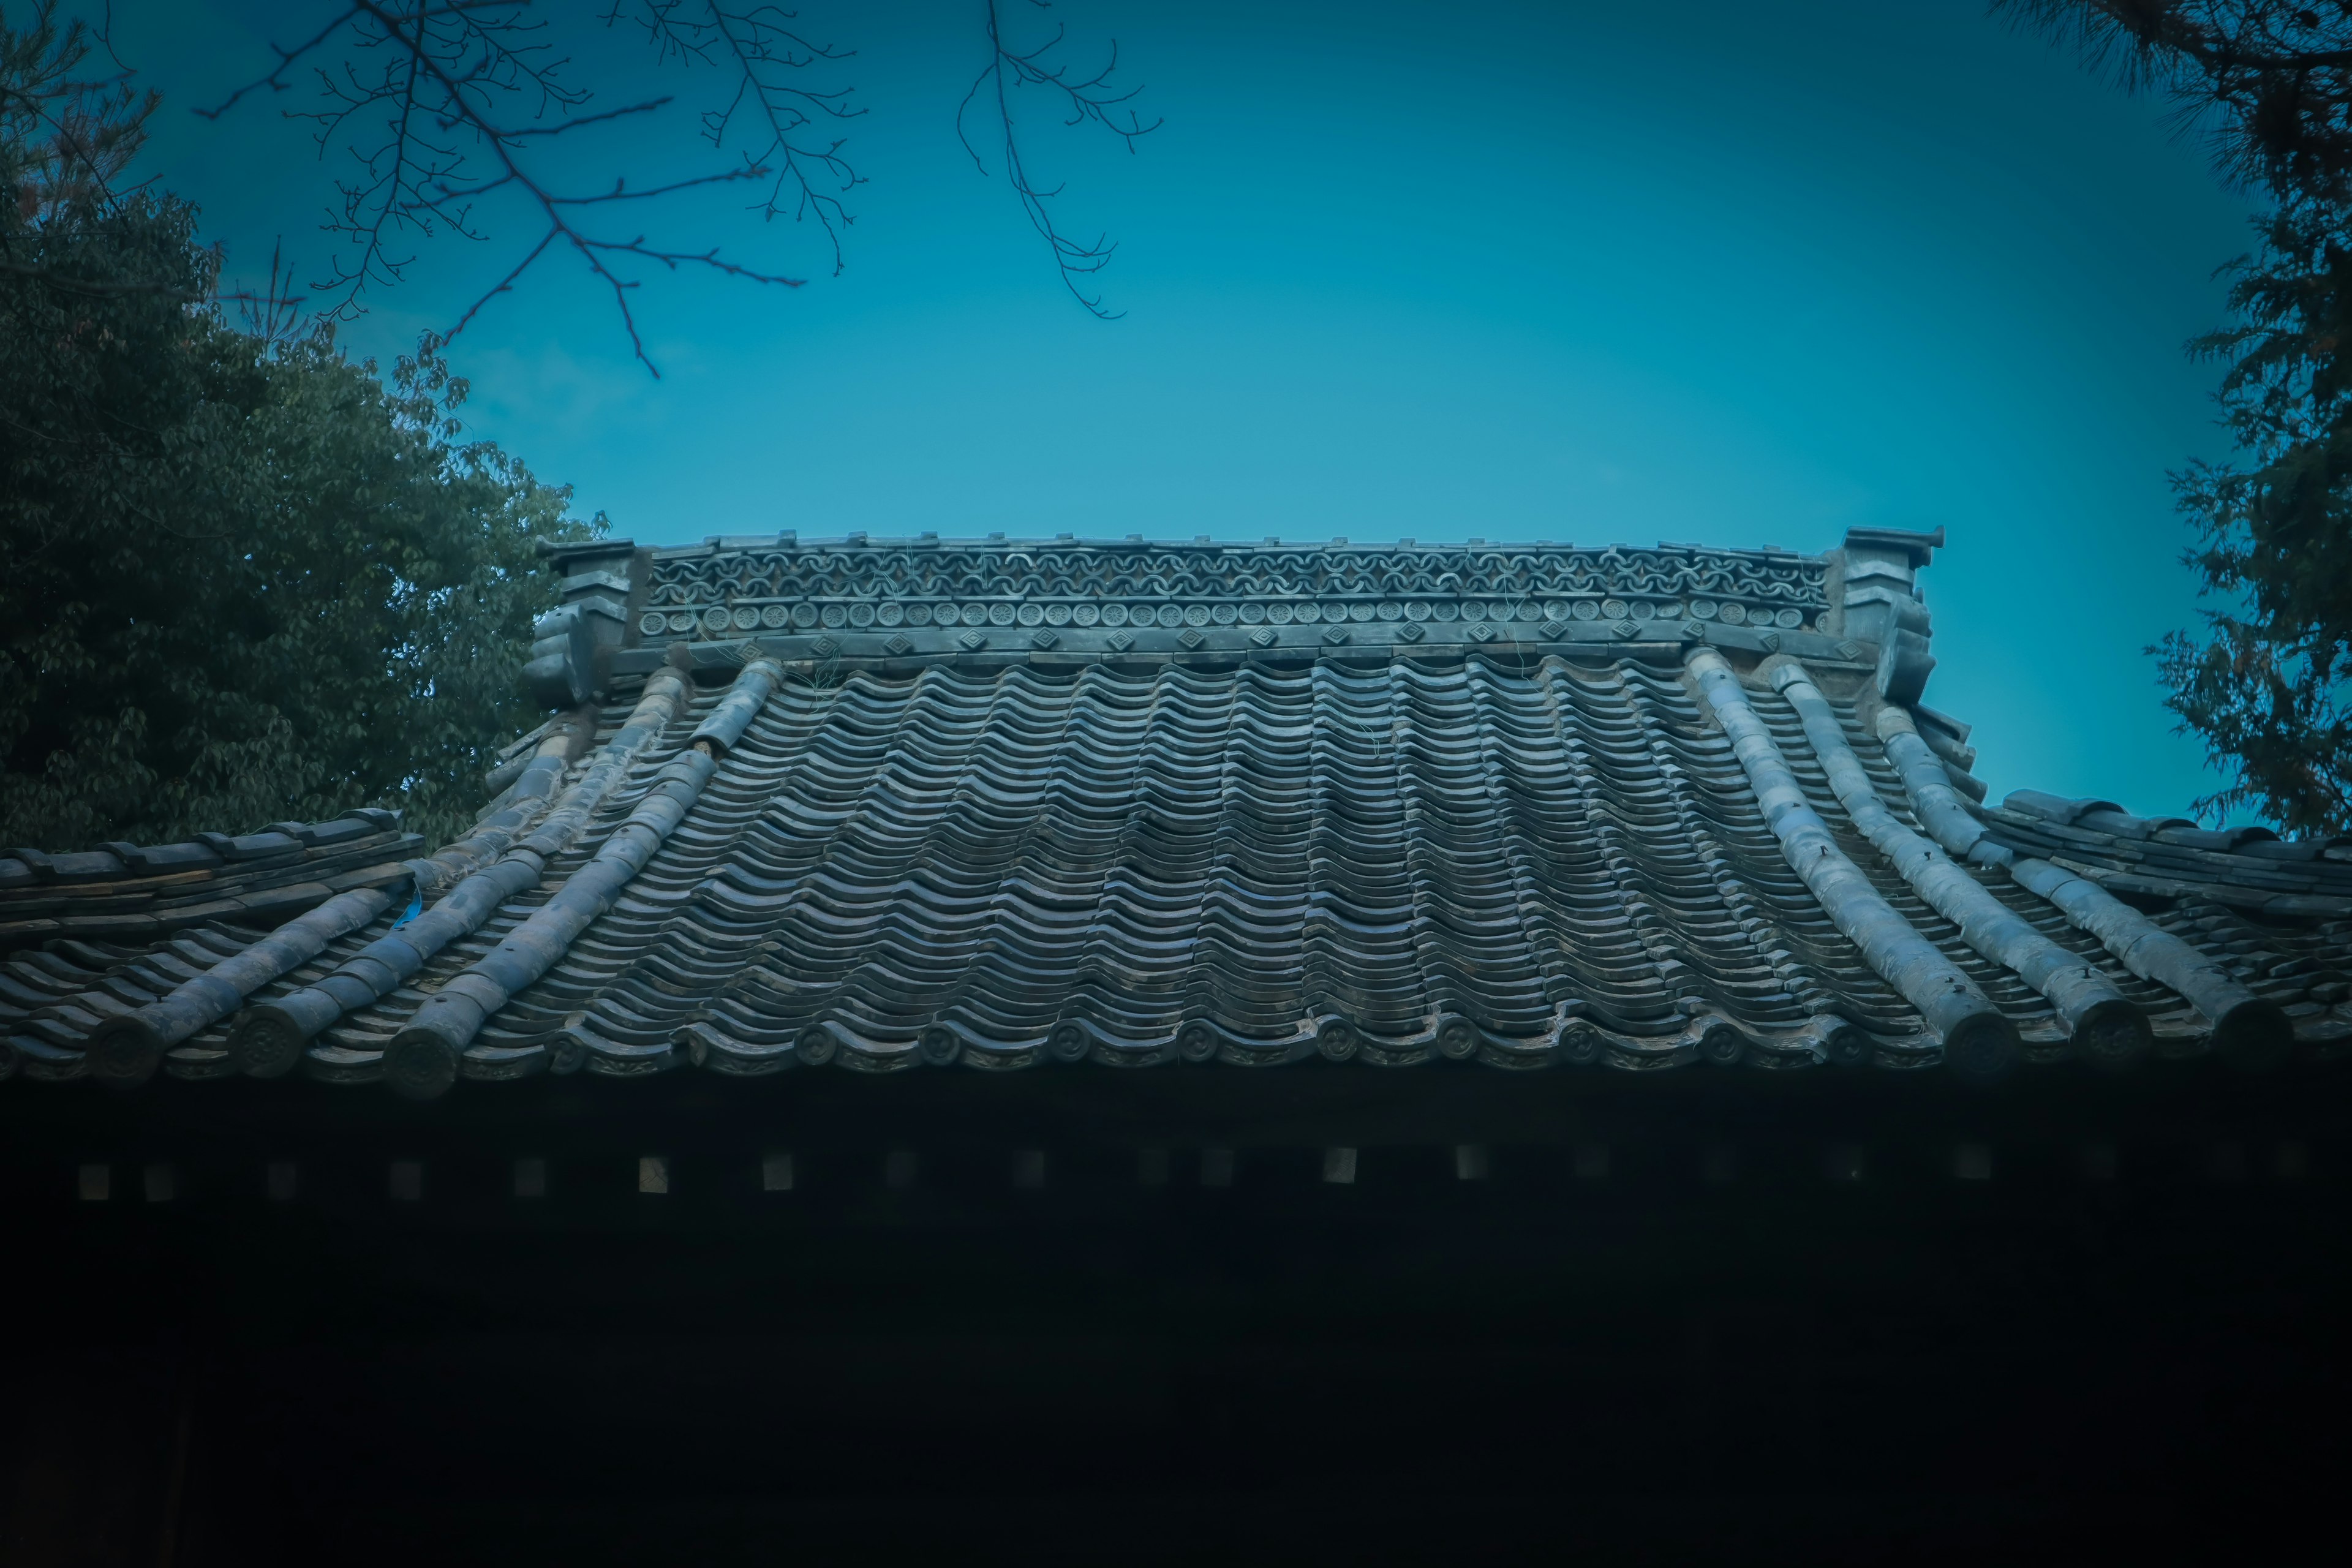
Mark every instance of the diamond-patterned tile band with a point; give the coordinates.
(860, 582)
(837, 611)
(1195, 620)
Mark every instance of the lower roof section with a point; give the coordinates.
(1523, 862)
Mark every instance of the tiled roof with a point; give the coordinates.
(1723, 830)
(122, 892)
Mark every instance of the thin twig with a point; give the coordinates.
(459, 92)
(1085, 98)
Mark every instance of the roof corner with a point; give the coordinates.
(1917, 548)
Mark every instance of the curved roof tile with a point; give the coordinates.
(756, 852)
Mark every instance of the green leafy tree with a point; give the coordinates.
(2264, 685)
(243, 580)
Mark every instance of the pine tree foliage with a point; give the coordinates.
(242, 581)
(2265, 686)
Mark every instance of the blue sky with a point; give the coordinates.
(1711, 272)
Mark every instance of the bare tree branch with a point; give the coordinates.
(439, 111)
(1082, 99)
(758, 47)
(438, 105)
(275, 315)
